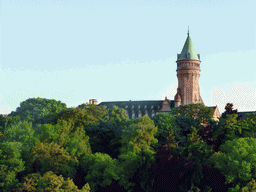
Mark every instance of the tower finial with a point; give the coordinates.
(188, 30)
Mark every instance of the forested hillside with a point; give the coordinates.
(46, 146)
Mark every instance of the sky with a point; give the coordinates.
(115, 50)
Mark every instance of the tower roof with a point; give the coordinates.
(189, 50)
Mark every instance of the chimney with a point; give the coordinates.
(93, 101)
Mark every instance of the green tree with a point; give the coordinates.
(229, 127)
(203, 113)
(10, 164)
(137, 174)
(139, 135)
(137, 149)
(49, 182)
(23, 133)
(116, 113)
(73, 139)
(184, 125)
(3, 120)
(52, 157)
(165, 122)
(84, 114)
(236, 160)
(39, 110)
(101, 169)
(105, 135)
(248, 126)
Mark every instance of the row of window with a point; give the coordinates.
(145, 106)
(133, 115)
(187, 64)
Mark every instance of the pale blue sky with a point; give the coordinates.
(77, 50)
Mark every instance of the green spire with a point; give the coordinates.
(189, 50)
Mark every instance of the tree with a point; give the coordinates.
(229, 128)
(21, 132)
(105, 135)
(203, 113)
(117, 113)
(184, 128)
(84, 114)
(3, 119)
(165, 122)
(236, 160)
(49, 182)
(139, 135)
(65, 134)
(248, 126)
(11, 163)
(39, 110)
(52, 157)
(137, 150)
(229, 110)
(101, 169)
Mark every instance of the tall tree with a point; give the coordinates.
(236, 161)
(229, 110)
(65, 134)
(11, 164)
(53, 157)
(83, 115)
(203, 113)
(49, 182)
(39, 110)
(165, 123)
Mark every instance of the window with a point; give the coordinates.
(133, 114)
(139, 113)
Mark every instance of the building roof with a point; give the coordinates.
(138, 105)
(189, 50)
(243, 114)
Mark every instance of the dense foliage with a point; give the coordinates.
(45, 146)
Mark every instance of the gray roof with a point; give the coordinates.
(136, 105)
(243, 114)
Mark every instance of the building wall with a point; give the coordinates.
(188, 73)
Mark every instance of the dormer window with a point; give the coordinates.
(152, 106)
(145, 106)
(139, 113)
(152, 113)
(133, 114)
(139, 107)
(126, 106)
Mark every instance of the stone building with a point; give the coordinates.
(188, 91)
